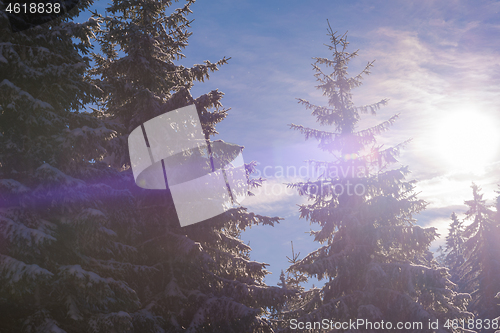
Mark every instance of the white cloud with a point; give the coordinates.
(274, 197)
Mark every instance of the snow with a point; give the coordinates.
(78, 272)
(122, 314)
(50, 326)
(36, 102)
(108, 232)
(43, 49)
(17, 232)
(100, 132)
(77, 132)
(14, 270)
(42, 105)
(92, 212)
(9, 84)
(48, 172)
(73, 311)
(173, 290)
(13, 186)
(92, 278)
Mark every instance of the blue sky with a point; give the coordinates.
(436, 61)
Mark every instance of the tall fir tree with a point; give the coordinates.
(60, 250)
(454, 257)
(480, 273)
(373, 256)
(440, 255)
(292, 281)
(203, 279)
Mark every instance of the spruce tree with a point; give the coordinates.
(373, 258)
(62, 256)
(480, 273)
(454, 248)
(203, 279)
(440, 255)
(292, 281)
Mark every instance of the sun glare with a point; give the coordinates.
(466, 141)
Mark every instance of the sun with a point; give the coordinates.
(466, 141)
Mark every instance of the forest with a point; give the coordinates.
(83, 248)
